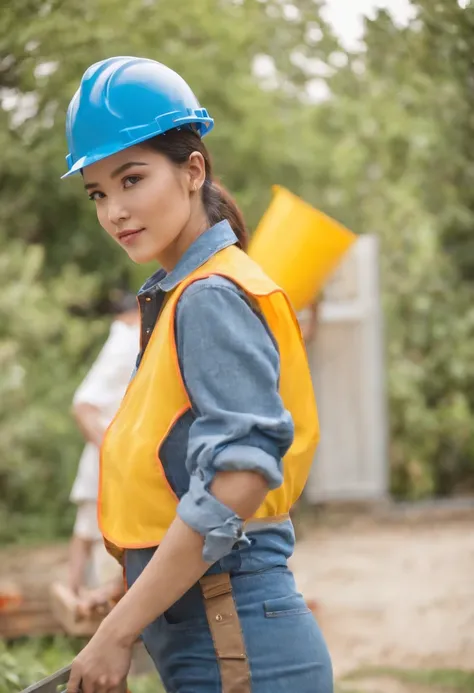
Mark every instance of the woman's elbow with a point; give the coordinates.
(243, 491)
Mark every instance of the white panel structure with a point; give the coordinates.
(347, 363)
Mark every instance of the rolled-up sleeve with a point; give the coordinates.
(230, 366)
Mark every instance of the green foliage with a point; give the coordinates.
(43, 349)
(390, 152)
(32, 659)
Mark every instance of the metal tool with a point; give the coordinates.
(51, 683)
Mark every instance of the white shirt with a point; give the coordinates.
(104, 387)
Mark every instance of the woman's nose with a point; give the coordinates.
(117, 212)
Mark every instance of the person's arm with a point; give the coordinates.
(178, 562)
(89, 420)
(79, 554)
(230, 365)
(110, 371)
(308, 328)
(313, 320)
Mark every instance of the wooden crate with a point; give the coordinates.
(64, 609)
(29, 572)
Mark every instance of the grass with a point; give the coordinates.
(454, 680)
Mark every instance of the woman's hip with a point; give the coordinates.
(249, 633)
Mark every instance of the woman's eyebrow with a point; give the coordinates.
(117, 172)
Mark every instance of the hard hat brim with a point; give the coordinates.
(203, 125)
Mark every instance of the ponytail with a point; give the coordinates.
(219, 205)
(178, 145)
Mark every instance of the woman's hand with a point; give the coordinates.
(102, 666)
(175, 567)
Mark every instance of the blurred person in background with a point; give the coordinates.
(213, 442)
(308, 320)
(95, 404)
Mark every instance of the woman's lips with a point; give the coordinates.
(128, 236)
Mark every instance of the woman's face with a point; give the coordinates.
(144, 201)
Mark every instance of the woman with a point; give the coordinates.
(215, 436)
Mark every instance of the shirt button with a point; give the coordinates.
(147, 299)
(148, 330)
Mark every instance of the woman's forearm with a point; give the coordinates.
(175, 567)
(178, 564)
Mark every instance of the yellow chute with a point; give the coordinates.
(298, 246)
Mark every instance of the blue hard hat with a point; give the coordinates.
(122, 101)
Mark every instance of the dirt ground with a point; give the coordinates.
(391, 591)
(394, 592)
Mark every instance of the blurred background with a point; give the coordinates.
(364, 109)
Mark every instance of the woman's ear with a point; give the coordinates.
(196, 171)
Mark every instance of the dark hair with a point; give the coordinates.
(178, 145)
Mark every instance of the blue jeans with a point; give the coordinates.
(285, 649)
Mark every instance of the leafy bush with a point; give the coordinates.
(31, 660)
(44, 348)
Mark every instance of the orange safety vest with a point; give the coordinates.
(136, 503)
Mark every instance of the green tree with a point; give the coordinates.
(214, 45)
(43, 349)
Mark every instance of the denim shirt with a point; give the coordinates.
(230, 366)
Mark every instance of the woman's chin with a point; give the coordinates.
(141, 256)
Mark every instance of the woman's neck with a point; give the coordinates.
(195, 227)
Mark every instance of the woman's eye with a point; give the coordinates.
(96, 195)
(130, 180)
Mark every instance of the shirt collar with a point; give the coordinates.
(209, 243)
